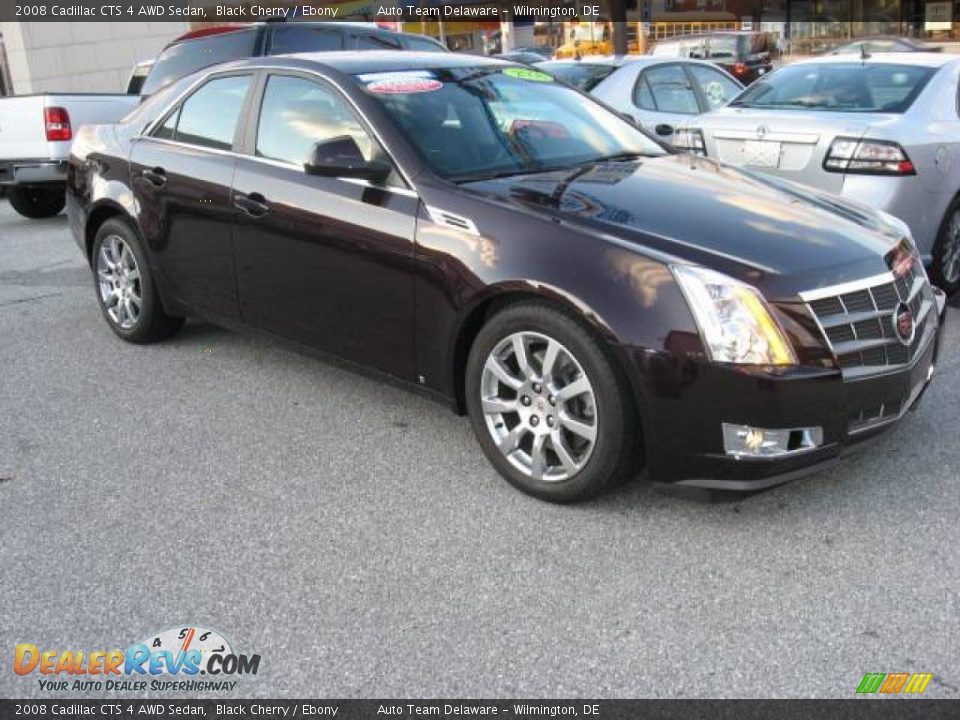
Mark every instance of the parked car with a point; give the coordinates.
(211, 45)
(884, 44)
(661, 94)
(473, 228)
(35, 136)
(882, 130)
(745, 54)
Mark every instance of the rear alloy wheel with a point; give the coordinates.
(946, 251)
(125, 289)
(37, 201)
(547, 405)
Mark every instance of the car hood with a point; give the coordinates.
(777, 235)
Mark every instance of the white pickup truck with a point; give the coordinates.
(35, 136)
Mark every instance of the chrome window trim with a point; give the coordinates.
(406, 192)
(282, 69)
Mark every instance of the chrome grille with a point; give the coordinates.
(857, 320)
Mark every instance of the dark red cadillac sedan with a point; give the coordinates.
(595, 302)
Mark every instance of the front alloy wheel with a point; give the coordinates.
(539, 406)
(549, 408)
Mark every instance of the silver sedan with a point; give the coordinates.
(883, 130)
(663, 95)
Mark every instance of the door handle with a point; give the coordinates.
(254, 204)
(156, 177)
(664, 129)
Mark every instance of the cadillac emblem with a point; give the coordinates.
(903, 324)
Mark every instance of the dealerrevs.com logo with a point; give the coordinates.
(174, 659)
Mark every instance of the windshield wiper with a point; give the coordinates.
(494, 174)
(630, 155)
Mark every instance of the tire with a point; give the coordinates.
(502, 411)
(37, 201)
(945, 271)
(122, 281)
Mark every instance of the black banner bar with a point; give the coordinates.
(907, 14)
(120, 709)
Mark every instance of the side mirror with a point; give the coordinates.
(341, 157)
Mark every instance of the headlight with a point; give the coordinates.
(735, 323)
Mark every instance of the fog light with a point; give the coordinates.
(745, 441)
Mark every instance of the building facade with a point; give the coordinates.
(77, 57)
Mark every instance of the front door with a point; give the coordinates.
(325, 261)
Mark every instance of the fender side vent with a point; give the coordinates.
(448, 219)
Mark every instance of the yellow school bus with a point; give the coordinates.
(593, 38)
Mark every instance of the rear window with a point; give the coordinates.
(185, 58)
(845, 87)
(723, 46)
(581, 75)
(295, 38)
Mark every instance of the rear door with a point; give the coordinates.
(182, 175)
(324, 261)
(665, 99)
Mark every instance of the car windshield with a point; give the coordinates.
(582, 76)
(841, 87)
(483, 122)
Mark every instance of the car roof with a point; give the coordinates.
(895, 58)
(352, 62)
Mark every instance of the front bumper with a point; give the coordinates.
(32, 172)
(686, 404)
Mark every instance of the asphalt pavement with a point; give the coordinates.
(353, 535)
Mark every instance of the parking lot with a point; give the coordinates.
(354, 536)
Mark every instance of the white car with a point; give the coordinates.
(883, 130)
(35, 136)
(664, 95)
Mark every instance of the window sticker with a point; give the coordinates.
(395, 74)
(527, 74)
(404, 86)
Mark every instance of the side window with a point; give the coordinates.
(717, 88)
(642, 97)
(185, 58)
(209, 117)
(169, 127)
(422, 45)
(376, 42)
(671, 90)
(304, 38)
(297, 113)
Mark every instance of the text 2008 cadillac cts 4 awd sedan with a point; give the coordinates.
(470, 226)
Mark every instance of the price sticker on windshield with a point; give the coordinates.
(527, 74)
(395, 83)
